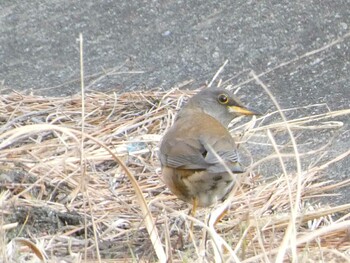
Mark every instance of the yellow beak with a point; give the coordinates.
(242, 111)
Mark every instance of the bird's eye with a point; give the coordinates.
(223, 99)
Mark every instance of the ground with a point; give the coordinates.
(145, 45)
(299, 49)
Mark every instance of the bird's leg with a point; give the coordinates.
(221, 216)
(194, 206)
(192, 213)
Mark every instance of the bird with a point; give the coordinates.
(198, 155)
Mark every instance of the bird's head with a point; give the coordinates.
(220, 104)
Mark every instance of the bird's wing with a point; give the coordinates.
(209, 147)
(184, 154)
(221, 155)
(190, 162)
(198, 155)
(214, 157)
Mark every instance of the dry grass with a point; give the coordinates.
(64, 197)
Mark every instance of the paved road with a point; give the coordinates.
(301, 47)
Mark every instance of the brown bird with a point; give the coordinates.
(198, 154)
